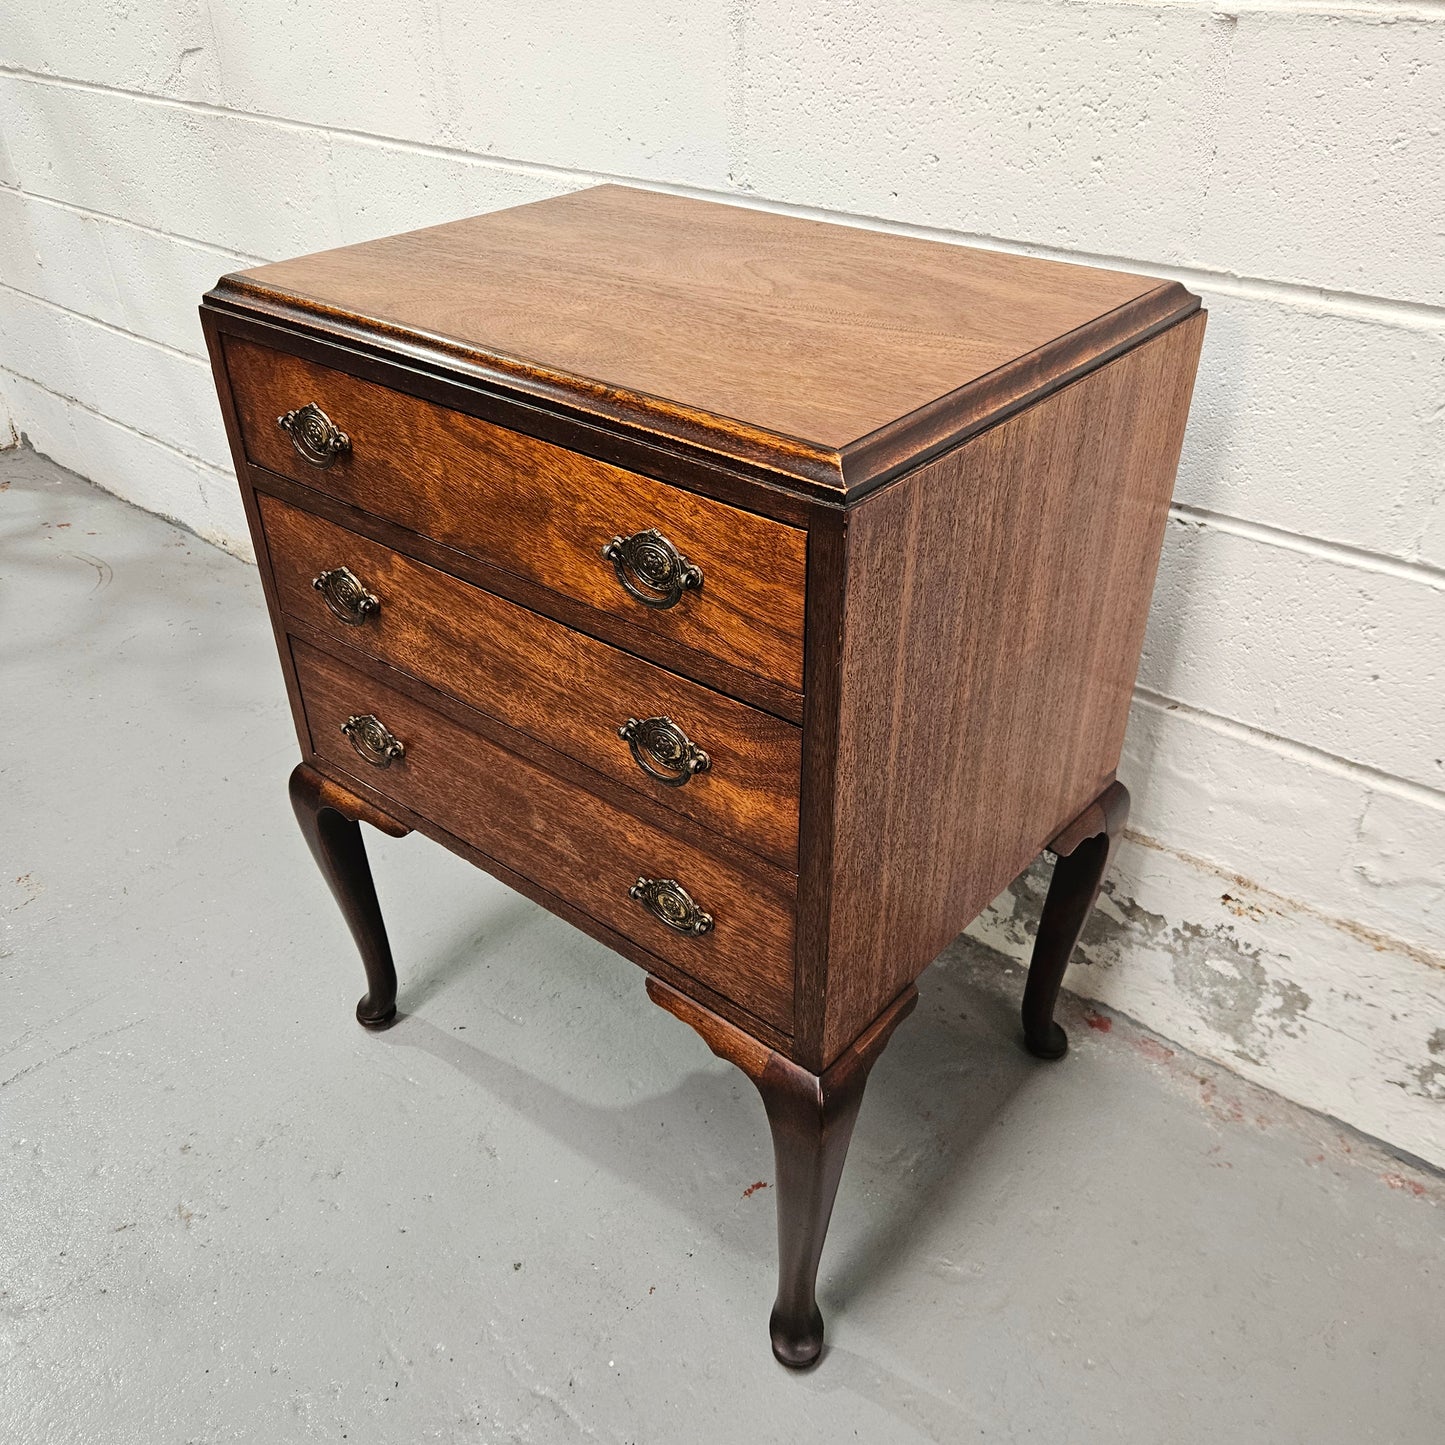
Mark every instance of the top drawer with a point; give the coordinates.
(536, 510)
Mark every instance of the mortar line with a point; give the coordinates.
(90, 320)
(1372, 778)
(226, 251)
(1377, 937)
(1299, 293)
(144, 436)
(1427, 10)
(1342, 554)
(1218, 73)
(116, 288)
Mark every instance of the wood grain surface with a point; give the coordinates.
(812, 1120)
(711, 672)
(833, 352)
(337, 344)
(926, 486)
(567, 840)
(534, 509)
(566, 689)
(328, 816)
(620, 944)
(993, 618)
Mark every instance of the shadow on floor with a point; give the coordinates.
(951, 1069)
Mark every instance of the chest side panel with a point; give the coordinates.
(994, 614)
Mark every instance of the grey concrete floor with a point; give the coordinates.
(530, 1212)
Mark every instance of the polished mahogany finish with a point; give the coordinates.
(563, 688)
(827, 355)
(1082, 853)
(535, 509)
(329, 817)
(587, 850)
(759, 595)
(993, 698)
(812, 1119)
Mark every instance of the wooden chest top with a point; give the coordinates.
(833, 357)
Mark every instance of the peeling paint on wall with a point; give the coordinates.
(1429, 1078)
(1320, 1009)
(1226, 979)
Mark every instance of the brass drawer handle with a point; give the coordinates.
(345, 596)
(651, 569)
(373, 740)
(315, 436)
(663, 751)
(669, 902)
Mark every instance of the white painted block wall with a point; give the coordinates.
(1279, 904)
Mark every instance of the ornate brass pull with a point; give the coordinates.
(663, 751)
(670, 903)
(373, 740)
(651, 569)
(315, 436)
(345, 596)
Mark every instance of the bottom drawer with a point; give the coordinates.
(569, 842)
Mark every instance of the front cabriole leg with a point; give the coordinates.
(811, 1117)
(1083, 851)
(328, 815)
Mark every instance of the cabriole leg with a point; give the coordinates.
(328, 816)
(811, 1117)
(1083, 851)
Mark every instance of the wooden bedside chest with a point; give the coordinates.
(759, 595)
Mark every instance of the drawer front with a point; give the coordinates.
(562, 837)
(563, 688)
(535, 509)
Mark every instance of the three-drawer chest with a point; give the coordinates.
(760, 595)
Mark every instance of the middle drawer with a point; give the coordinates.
(563, 688)
(571, 843)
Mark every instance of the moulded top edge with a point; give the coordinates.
(824, 356)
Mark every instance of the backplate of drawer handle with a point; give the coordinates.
(315, 436)
(663, 751)
(373, 740)
(345, 595)
(651, 570)
(670, 903)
